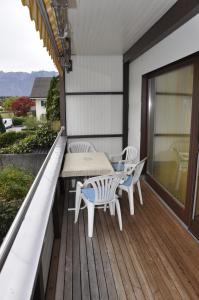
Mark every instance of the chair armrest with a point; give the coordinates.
(80, 184)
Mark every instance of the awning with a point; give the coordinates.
(53, 45)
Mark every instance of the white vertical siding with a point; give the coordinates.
(95, 74)
(95, 114)
(177, 45)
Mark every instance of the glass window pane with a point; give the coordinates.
(170, 102)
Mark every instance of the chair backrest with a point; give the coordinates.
(104, 186)
(130, 153)
(80, 147)
(135, 170)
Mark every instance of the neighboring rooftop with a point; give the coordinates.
(40, 87)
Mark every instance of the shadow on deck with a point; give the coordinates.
(154, 257)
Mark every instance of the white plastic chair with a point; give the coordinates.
(97, 191)
(182, 151)
(80, 147)
(130, 154)
(134, 171)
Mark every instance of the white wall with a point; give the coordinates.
(95, 114)
(40, 110)
(179, 44)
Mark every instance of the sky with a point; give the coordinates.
(20, 46)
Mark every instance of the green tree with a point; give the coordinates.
(2, 127)
(7, 103)
(52, 105)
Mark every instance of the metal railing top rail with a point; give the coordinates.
(12, 233)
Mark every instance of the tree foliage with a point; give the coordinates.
(2, 127)
(7, 103)
(52, 105)
(22, 106)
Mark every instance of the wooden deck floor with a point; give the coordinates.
(154, 257)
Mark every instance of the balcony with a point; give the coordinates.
(108, 99)
(154, 257)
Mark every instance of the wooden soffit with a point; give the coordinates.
(44, 17)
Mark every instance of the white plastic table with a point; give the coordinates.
(86, 164)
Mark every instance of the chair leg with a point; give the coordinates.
(120, 193)
(119, 213)
(112, 208)
(77, 207)
(91, 211)
(131, 200)
(178, 179)
(105, 207)
(140, 192)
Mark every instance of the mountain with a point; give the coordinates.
(20, 83)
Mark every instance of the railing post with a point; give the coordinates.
(58, 209)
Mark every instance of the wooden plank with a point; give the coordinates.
(137, 286)
(76, 262)
(170, 252)
(184, 266)
(141, 251)
(154, 239)
(83, 261)
(116, 273)
(120, 260)
(68, 286)
(99, 267)
(112, 294)
(91, 264)
(152, 258)
(145, 233)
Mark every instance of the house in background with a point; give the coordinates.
(39, 94)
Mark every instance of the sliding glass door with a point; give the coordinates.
(169, 126)
(170, 136)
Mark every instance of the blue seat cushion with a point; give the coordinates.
(128, 181)
(89, 193)
(118, 166)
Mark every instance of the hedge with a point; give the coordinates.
(42, 138)
(9, 138)
(14, 185)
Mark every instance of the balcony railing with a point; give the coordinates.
(21, 251)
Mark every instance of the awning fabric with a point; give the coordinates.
(40, 26)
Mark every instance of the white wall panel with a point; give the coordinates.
(94, 114)
(177, 45)
(95, 74)
(108, 145)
